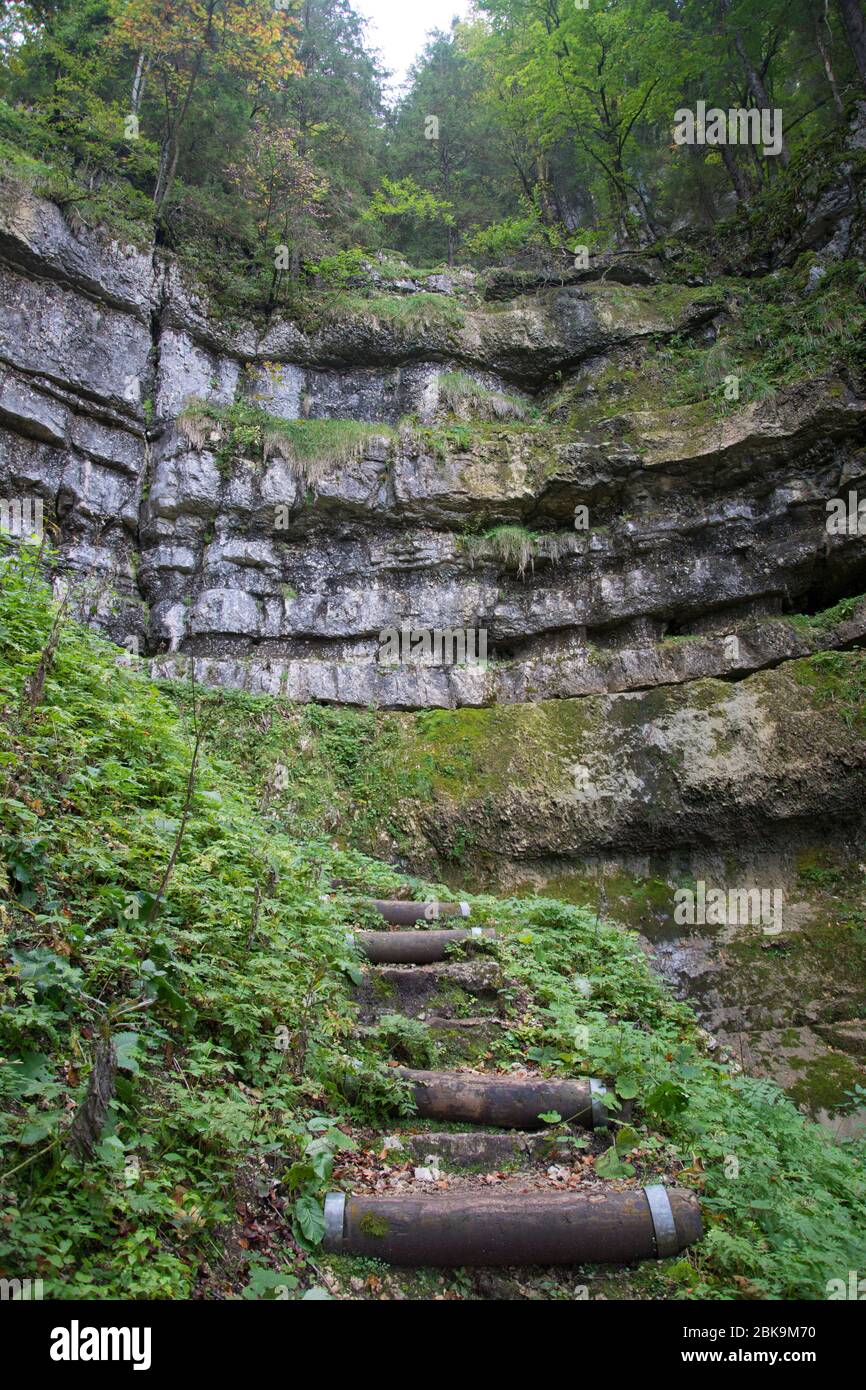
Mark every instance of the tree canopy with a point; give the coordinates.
(229, 127)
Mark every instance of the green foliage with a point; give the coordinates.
(785, 1202)
(345, 770)
(514, 547)
(513, 240)
(402, 199)
(439, 440)
(828, 618)
(405, 311)
(550, 127)
(459, 392)
(337, 271)
(405, 1040)
(310, 447)
(837, 679)
(229, 1006)
(774, 331)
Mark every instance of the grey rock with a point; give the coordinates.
(189, 372)
(31, 412)
(114, 447)
(34, 235)
(53, 332)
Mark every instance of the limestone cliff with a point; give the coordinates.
(703, 530)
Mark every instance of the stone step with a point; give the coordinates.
(434, 988)
(509, 1101)
(416, 947)
(514, 1226)
(460, 1039)
(481, 1149)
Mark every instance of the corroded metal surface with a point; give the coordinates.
(414, 947)
(514, 1102)
(479, 1228)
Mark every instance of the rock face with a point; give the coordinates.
(669, 545)
(746, 763)
(647, 585)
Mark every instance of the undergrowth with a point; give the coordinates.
(793, 325)
(461, 394)
(403, 311)
(178, 903)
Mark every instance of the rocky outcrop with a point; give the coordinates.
(753, 764)
(695, 535)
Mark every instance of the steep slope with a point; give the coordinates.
(246, 1083)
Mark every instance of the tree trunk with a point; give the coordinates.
(735, 173)
(855, 32)
(170, 151)
(828, 66)
(756, 83)
(168, 157)
(89, 1122)
(138, 83)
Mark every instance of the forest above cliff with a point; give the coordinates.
(256, 140)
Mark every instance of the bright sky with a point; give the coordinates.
(398, 28)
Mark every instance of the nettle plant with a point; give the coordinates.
(183, 980)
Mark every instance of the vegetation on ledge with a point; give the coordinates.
(310, 447)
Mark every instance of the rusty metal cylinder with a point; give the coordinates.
(509, 1102)
(472, 1228)
(413, 947)
(403, 914)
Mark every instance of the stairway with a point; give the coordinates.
(511, 1197)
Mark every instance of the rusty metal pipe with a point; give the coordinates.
(403, 914)
(523, 1228)
(413, 947)
(507, 1101)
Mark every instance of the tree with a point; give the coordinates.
(192, 44)
(440, 137)
(592, 78)
(402, 204)
(286, 190)
(335, 103)
(855, 32)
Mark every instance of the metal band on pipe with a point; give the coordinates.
(664, 1225)
(599, 1112)
(335, 1211)
(465, 910)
